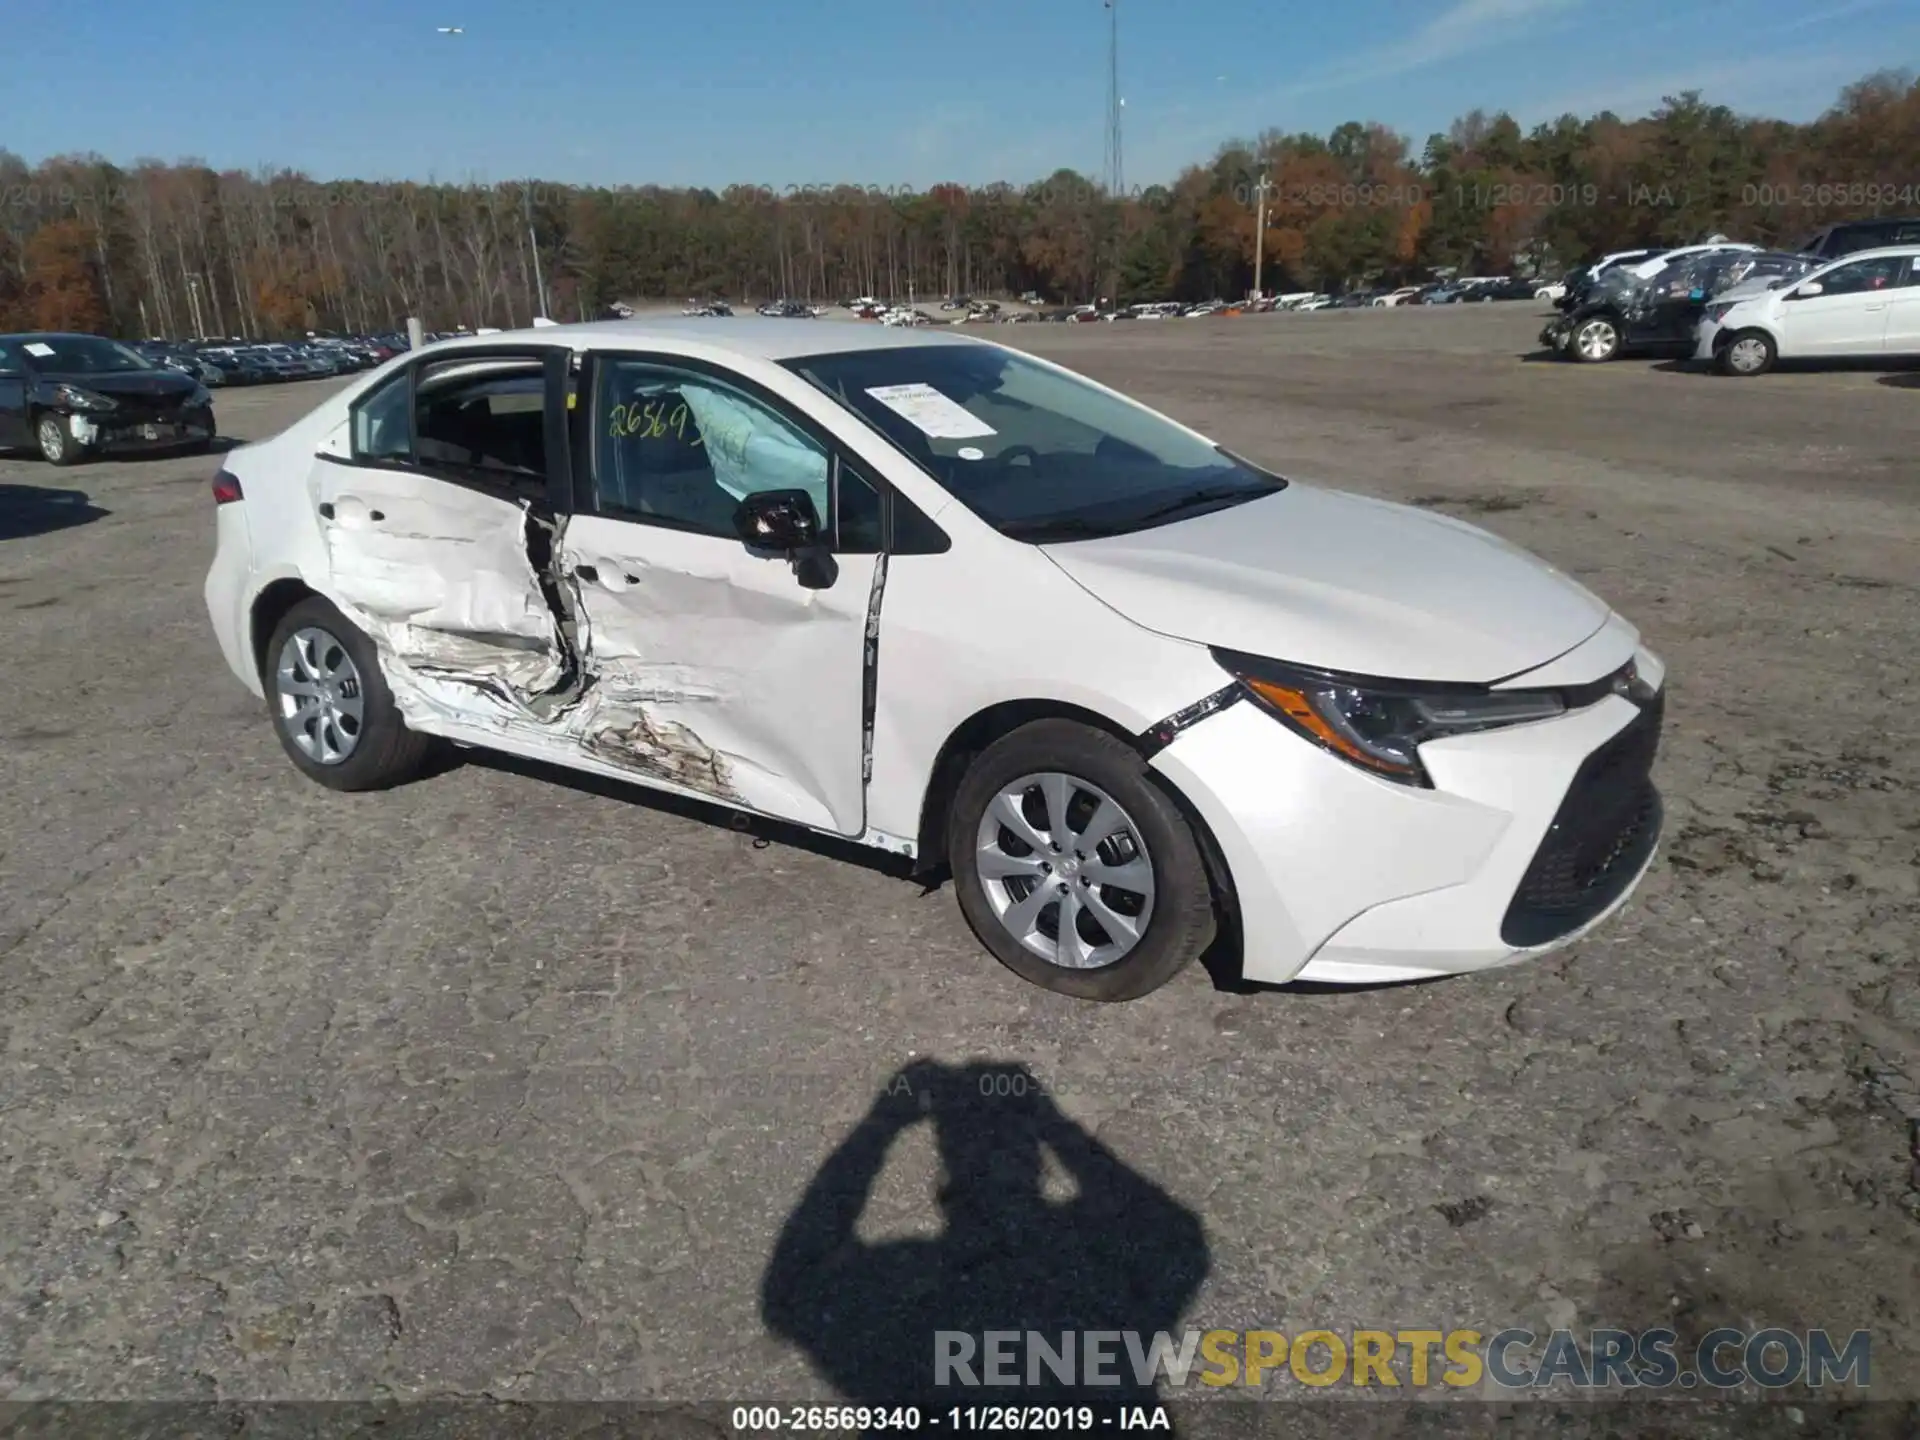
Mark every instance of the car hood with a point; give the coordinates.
(1342, 582)
(128, 384)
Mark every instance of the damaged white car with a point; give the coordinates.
(961, 605)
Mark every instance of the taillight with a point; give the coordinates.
(226, 488)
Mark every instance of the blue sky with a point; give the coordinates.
(890, 92)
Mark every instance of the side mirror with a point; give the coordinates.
(1808, 291)
(785, 520)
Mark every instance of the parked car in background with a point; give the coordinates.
(1833, 241)
(1217, 746)
(1512, 288)
(1583, 278)
(1552, 290)
(1863, 306)
(1656, 307)
(238, 366)
(73, 396)
(1397, 297)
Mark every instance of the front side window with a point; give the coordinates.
(681, 448)
(1036, 452)
(1861, 276)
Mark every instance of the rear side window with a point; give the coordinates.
(479, 419)
(382, 427)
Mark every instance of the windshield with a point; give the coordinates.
(83, 355)
(1034, 451)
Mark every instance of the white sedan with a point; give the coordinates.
(1859, 307)
(962, 605)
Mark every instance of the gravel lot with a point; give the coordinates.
(508, 1084)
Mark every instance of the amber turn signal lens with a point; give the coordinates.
(1295, 706)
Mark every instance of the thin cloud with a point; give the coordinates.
(1757, 84)
(1832, 12)
(1468, 26)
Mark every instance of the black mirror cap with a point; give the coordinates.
(777, 520)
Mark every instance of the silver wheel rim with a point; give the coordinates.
(322, 701)
(1746, 355)
(1595, 339)
(1066, 871)
(53, 436)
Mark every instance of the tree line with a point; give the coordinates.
(181, 249)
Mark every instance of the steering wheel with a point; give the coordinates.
(1013, 452)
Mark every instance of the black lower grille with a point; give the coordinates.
(1605, 829)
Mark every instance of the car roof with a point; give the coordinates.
(1879, 252)
(757, 337)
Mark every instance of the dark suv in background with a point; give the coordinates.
(1850, 235)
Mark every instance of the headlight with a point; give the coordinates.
(74, 398)
(1717, 311)
(1380, 725)
(201, 396)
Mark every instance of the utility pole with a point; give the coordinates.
(1260, 233)
(1116, 172)
(539, 284)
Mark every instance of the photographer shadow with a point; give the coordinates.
(1120, 1255)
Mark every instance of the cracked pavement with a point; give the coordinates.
(506, 1083)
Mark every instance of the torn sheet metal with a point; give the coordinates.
(443, 582)
(684, 660)
(702, 634)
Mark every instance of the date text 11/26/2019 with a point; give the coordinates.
(1020, 1419)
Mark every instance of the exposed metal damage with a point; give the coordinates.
(454, 659)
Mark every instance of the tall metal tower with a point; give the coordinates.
(1116, 173)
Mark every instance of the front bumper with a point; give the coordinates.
(109, 431)
(1704, 335)
(1530, 838)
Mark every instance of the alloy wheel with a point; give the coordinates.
(1065, 870)
(320, 694)
(1597, 339)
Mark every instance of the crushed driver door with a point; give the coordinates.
(712, 667)
(435, 506)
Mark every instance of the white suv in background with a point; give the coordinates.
(1864, 305)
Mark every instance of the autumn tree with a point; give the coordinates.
(63, 286)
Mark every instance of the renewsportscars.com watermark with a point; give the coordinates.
(1416, 1359)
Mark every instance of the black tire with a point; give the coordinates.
(1723, 356)
(1610, 352)
(1183, 920)
(55, 440)
(386, 752)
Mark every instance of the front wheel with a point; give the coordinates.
(57, 445)
(331, 707)
(1594, 340)
(1750, 352)
(1075, 867)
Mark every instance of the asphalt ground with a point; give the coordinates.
(510, 1084)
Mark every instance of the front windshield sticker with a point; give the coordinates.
(933, 413)
(36, 348)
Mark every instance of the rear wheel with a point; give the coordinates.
(55, 439)
(1594, 340)
(1750, 352)
(1075, 867)
(331, 707)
